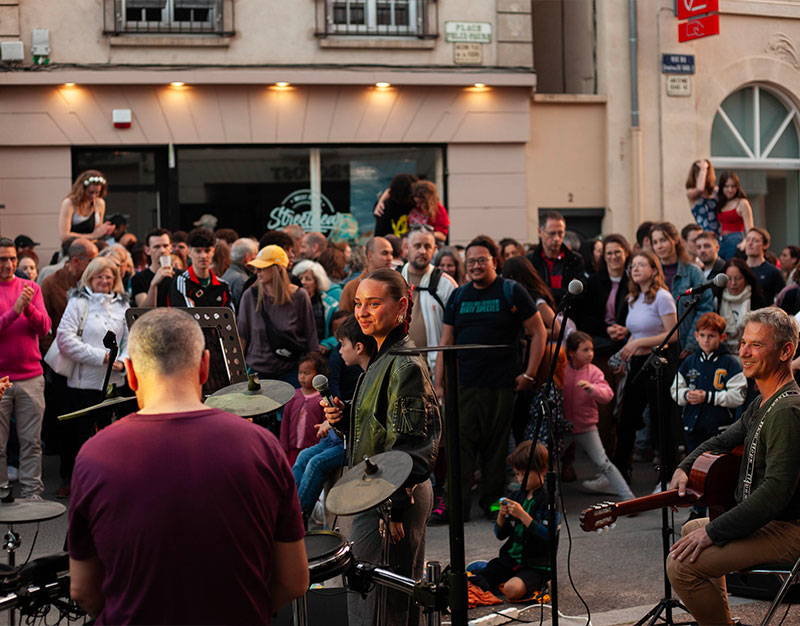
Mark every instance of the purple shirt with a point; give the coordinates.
(183, 510)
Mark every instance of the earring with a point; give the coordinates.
(399, 319)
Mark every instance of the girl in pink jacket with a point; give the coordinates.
(584, 387)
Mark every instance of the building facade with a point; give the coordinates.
(265, 113)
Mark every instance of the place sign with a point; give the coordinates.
(471, 32)
(677, 64)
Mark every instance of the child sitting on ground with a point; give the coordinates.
(303, 414)
(522, 567)
(709, 385)
(585, 387)
(315, 464)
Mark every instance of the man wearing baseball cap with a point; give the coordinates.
(23, 243)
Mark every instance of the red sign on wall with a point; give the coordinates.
(692, 8)
(695, 29)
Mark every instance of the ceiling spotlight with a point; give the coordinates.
(177, 83)
(69, 84)
(479, 86)
(383, 85)
(282, 84)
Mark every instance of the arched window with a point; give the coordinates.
(755, 128)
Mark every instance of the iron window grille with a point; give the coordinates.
(202, 17)
(378, 18)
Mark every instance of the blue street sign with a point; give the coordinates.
(677, 64)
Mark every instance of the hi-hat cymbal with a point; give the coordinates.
(24, 511)
(369, 483)
(243, 401)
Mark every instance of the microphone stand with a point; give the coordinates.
(546, 408)
(110, 343)
(655, 363)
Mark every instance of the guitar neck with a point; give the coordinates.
(656, 501)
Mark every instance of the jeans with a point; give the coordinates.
(26, 401)
(313, 467)
(728, 243)
(591, 444)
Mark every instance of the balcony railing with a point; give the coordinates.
(168, 17)
(378, 18)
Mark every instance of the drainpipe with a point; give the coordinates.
(636, 130)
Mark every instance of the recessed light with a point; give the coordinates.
(177, 83)
(282, 84)
(479, 86)
(383, 85)
(69, 84)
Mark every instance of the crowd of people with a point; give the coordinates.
(307, 305)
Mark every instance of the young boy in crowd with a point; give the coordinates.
(314, 465)
(709, 385)
(522, 567)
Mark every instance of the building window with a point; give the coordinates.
(389, 18)
(168, 16)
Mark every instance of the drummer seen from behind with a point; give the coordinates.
(181, 513)
(394, 408)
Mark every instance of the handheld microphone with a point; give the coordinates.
(720, 280)
(574, 289)
(320, 383)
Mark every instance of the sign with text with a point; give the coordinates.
(696, 29)
(677, 64)
(694, 8)
(473, 32)
(679, 86)
(467, 53)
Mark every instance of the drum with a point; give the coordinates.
(329, 555)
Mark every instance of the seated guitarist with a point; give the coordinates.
(764, 526)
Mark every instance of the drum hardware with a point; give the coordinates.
(252, 398)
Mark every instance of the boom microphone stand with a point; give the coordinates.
(656, 363)
(545, 408)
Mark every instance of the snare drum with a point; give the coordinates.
(328, 555)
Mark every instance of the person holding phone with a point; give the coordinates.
(82, 211)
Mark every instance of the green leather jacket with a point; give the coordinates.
(395, 408)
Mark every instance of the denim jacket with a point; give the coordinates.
(689, 276)
(395, 408)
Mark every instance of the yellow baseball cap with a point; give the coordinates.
(271, 255)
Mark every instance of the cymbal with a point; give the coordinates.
(97, 407)
(240, 400)
(23, 511)
(365, 486)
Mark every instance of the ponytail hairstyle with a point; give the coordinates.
(397, 288)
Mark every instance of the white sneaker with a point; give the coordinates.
(13, 474)
(599, 485)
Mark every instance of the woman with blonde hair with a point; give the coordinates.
(651, 315)
(82, 211)
(276, 322)
(429, 210)
(95, 307)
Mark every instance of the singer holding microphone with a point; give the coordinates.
(394, 408)
(82, 211)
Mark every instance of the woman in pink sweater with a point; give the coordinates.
(584, 387)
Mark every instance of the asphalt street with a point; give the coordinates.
(619, 573)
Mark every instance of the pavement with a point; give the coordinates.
(618, 573)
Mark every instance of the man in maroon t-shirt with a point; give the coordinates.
(182, 514)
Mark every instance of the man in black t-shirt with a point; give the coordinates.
(150, 287)
(756, 243)
(488, 310)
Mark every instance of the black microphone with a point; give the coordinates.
(320, 383)
(720, 280)
(574, 289)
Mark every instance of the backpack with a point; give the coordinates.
(433, 285)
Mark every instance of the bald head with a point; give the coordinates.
(379, 254)
(79, 253)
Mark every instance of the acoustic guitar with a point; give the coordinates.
(712, 482)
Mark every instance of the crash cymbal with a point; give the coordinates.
(244, 400)
(369, 483)
(98, 407)
(23, 511)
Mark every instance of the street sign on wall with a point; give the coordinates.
(696, 29)
(474, 32)
(677, 64)
(693, 8)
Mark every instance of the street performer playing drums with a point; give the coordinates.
(181, 513)
(764, 526)
(394, 408)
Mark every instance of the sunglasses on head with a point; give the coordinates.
(425, 227)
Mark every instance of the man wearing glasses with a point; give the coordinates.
(488, 310)
(23, 320)
(556, 264)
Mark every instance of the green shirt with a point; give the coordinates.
(518, 536)
(776, 471)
